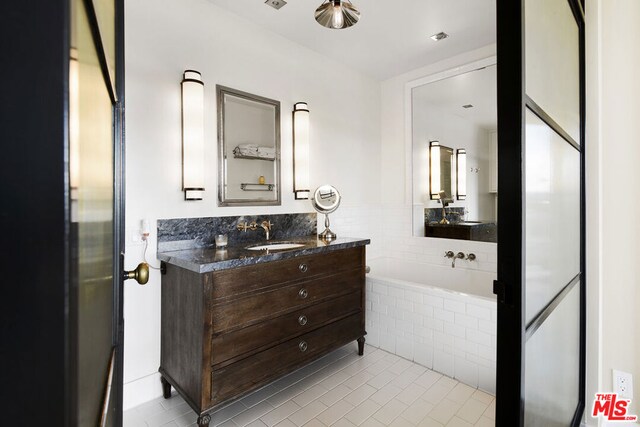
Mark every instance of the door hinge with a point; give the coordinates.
(500, 291)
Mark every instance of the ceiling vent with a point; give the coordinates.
(276, 4)
(440, 36)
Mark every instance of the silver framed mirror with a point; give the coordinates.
(248, 149)
(326, 199)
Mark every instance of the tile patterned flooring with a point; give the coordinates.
(343, 390)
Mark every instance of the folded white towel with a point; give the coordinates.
(267, 152)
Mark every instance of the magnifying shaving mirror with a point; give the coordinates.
(326, 200)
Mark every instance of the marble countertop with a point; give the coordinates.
(205, 260)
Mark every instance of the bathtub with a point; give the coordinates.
(439, 317)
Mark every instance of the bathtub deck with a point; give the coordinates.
(342, 390)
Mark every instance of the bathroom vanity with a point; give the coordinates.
(235, 320)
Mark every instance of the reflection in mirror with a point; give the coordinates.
(441, 177)
(456, 115)
(461, 174)
(248, 149)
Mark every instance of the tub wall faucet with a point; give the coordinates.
(460, 255)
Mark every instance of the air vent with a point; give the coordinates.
(276, 4)
(440, 36)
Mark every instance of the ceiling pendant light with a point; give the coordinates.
(337, 14)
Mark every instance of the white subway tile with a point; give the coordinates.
(425, 310)
(415, 318)
(389, 301)
(403, 304)
(413, 296)
(434, 324)
(479, 312)
(388, 342)
(466, 371)
(454, 330)
(423, 354)
(466, 321)
(396, 292)
(455, 306)
(405, 348)
(487, 380)
(443, 363)
(479, 337)
(434, 301)
(487, 352)
(446, 316)
(487, 326)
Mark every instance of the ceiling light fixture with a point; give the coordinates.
(337, 14)
(440, 36)
(276, 4)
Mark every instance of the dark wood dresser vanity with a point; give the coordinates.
(228, 332)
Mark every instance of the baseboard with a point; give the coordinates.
(141, 391)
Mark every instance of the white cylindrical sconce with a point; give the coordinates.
(301, 187)
(434, 169)
(192, 135)
(461, 174)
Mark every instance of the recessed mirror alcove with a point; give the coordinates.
(454, 135)
(248, 149)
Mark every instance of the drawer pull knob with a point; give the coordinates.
(303, 268)
(303, 346)
(303, 293)
(302, 320)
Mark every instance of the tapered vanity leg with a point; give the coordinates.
(204, 420)
(166, 388)
(360, 346)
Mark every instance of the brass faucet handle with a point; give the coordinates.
(242, 226)
(267, 224)
(449, 254)
(460, 255)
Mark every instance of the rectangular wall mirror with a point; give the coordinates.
(248, 149)
(454, 134)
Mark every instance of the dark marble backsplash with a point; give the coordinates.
(435, 214)
(191, 233)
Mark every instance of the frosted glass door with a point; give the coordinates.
(540, 284)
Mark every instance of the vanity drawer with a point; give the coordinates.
(228, 283)
(270, 332)
(275, 302)
(260, 368)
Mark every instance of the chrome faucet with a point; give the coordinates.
(453, 257)
(459, 255)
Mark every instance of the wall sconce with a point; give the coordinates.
(301, 151)
(192, 135)
(461, 174)
(441, 172)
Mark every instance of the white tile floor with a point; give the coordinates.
(341, 389)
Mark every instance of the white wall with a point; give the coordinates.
(163, 38)
(617, 152)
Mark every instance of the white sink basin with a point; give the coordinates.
(275, 246)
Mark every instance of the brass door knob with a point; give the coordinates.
(140, 274)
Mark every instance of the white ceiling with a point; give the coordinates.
(477, 88)
(391, 38)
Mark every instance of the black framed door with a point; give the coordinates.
(96, 212)
(540, 285)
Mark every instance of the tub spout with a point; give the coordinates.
(459, 255)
